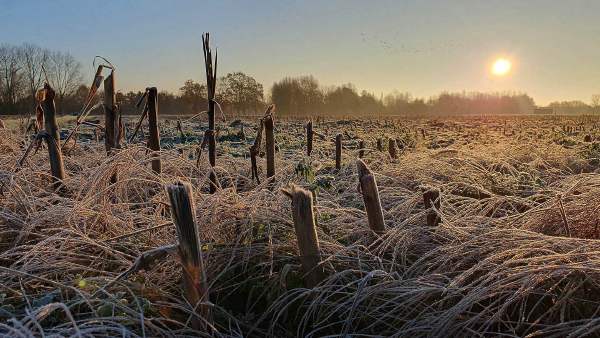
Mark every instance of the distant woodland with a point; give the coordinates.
(24, 69)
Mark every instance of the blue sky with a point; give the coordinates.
(422, 47)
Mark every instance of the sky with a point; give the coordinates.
(422, 47)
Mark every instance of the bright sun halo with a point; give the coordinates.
(501, 67)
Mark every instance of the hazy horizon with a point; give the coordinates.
(423, 47)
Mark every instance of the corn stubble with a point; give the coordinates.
(496, 260)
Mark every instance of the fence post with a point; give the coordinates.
(52, 137)
(154, 137)
(370, 192)
(431, 199)
(255, 151)
(211, 83)
(338, 151)
(270, 142)
(309, 137)
(111, 121)
(306, 234)
(195, 284)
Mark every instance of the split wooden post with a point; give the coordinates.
(52, 137)
(338, 151)
(309, 138)
(111, 119)
(392, 148)
(154, 137)
(195, 283)
(306, 234)
(370, 192)
(270, 142)
(361, 149)
(431, 199)
(211, 83)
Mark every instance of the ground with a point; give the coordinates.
(515, 253)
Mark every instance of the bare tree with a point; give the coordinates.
(34, 59)
(10, 74)
(64, 73)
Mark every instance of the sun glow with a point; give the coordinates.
(501, 67)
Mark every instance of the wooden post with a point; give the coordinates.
(270, 142)
(49, 109)
(431, 199)
(52, 136)
(154, 137)
(111, 120)
(361, 149)
(182, 136)
(255, 151)
(195, 283)
(392, 148)
(338, 151)
(212, 159)
(370, 192)
(379, 144)
(211, 83)
(309, 138)
(306, 234)
(111, 126)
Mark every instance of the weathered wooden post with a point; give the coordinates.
(431, 198)
(255, 151)
(338, 151)
(270, 143)
(111, 126)
(309, 138)
(52, 137)
(370, 192)
(392, 148)
(111, 119)
(182, 137)
(211, 83)
(154, 137)
(361, 149)
(195, 283)
(306, 234)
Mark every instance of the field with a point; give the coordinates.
(515, 252)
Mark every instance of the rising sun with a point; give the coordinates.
(501, 67)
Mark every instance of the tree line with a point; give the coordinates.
(24, 69)
(304, 96)
(576, 106)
